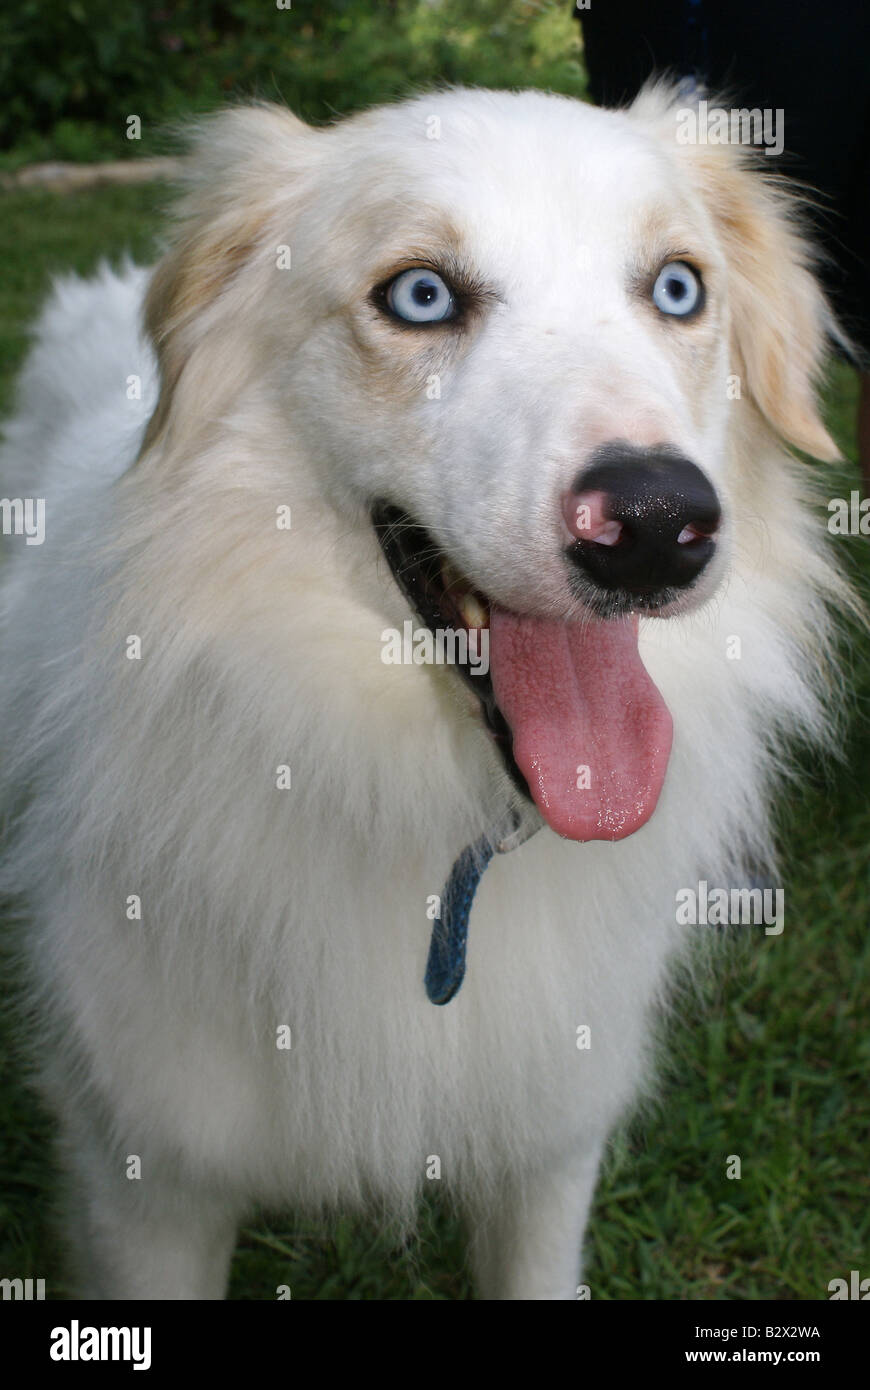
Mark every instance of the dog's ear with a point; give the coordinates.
(780, 320)
(243, 168)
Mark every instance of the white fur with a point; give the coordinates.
(261, 647)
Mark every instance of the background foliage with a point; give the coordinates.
(71, 73)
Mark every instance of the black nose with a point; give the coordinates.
(644, 520)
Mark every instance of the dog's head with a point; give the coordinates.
(517, 338)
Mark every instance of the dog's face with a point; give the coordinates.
(520, 333)
(513, 333)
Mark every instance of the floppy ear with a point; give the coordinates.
(243, 167)
(780, 320)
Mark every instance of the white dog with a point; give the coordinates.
(500, 365)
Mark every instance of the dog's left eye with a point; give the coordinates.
(420, 296)
(677, 290)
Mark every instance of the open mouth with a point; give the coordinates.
(442, 598)
(582, 729)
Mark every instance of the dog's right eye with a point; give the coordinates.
(420, 296)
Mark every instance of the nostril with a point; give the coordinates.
(692, 533)
(611, 533)
(587, 518)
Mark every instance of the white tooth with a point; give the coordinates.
(473, 611)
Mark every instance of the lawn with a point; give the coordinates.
(767, 1058)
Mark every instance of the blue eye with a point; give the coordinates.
(677, 290)
(420, 296)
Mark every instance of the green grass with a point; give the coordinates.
(768, 1058)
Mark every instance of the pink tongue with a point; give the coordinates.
(592, 735)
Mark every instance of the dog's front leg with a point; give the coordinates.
(527, 1243)
(144, 1237)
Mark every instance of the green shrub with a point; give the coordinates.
(73, 71)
